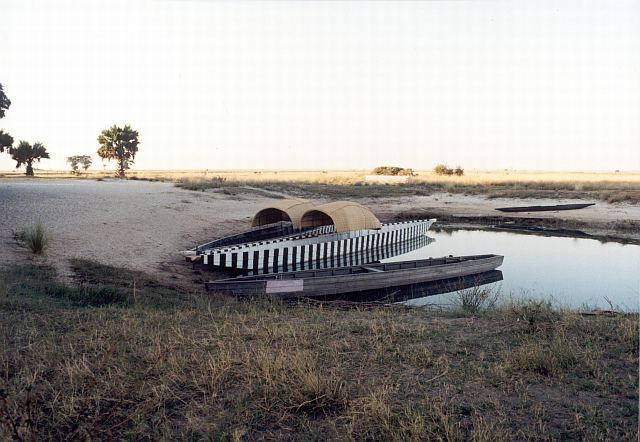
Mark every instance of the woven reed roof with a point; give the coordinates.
(282, 210)
(345, 215)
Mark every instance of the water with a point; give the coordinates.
(569, 272)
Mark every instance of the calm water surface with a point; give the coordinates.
(570, 272)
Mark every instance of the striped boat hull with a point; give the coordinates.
(321, 249)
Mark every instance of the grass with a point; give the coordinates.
(609, 191)
(35, 238)
(476, 299)
(119, 355)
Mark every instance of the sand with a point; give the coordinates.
(144, 225)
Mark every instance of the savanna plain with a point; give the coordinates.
(107, 333)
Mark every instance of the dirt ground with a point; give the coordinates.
(144, 225)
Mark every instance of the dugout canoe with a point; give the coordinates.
(327, 282)
(545, 208)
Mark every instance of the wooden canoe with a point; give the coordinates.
(326, 282)
(545, 208)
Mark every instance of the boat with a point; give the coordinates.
(331, 231)
(545, 208)
(338, 280)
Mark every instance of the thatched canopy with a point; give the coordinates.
(282, 210)
(345, 215)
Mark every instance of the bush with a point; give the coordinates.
(35, 238)
(392, 170)
(442, 169)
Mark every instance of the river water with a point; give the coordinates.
(569, 272)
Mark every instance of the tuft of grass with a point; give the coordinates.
(35, 238)
(536, 315)
(476, 299)
(547, 358)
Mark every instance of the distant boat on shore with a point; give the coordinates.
(545, 208)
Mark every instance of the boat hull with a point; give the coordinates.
(296, 252)
(319, 283)
(545, 208)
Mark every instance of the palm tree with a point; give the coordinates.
(120, 144)
(25, 153)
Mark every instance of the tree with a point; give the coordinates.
(4, 102)
(25, 153)
(76, 160)
(6, 141)
(120, 144)
(86, 161)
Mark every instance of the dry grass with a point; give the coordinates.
(610, 187)
(144, 360)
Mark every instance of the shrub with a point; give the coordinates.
(406, 172)
(458, 171)
(35, 238)
(442, 169)
(392, 170)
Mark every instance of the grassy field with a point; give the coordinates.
(611, 187)
(118, 355)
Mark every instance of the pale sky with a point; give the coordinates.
(332, 85)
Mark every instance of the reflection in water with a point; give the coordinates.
(404, 293)
(570, 272)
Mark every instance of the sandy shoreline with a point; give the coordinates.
(144, 225)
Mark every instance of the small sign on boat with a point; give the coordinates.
(290, 286)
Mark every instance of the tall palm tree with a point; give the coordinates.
(25, 153)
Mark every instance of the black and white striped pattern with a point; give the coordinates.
(318, 249)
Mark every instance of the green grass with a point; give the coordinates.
(36, 238)
(120, 355)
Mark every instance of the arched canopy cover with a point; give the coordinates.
(282, 210)
(345, 215)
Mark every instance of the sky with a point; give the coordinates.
(533, 85)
